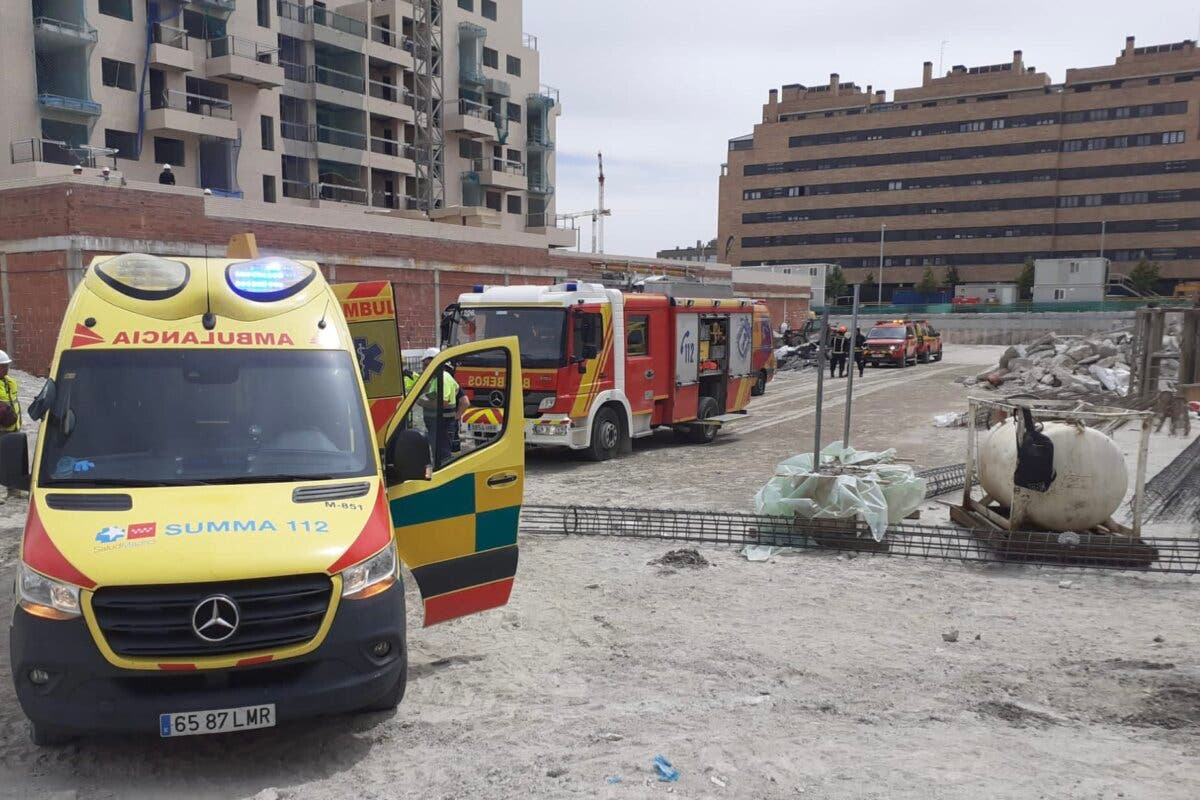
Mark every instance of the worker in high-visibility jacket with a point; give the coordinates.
(10, 405)
(441, 412)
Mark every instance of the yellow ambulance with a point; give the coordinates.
(215, 527)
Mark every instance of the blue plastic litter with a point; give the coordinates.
(666, 772)
(614, 779)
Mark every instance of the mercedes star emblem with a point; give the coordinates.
(496, 398)
(215, 618)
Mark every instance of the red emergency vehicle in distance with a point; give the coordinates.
(763, 360)
(892, 341)
(602, 367)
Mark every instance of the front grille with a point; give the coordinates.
(319, 494)
(89, 502)
(156, 621)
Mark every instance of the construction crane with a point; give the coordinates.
(597, 214)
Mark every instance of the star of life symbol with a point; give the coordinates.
(370, 358)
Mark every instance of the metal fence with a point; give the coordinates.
(922, 309)
(243, 48)
(338, 79)
(938, 542)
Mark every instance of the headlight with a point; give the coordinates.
(372, 576)
(547, 403)
(45, 597)
(892, 347)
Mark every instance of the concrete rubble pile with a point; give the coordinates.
(800, 356)
(1066, 367)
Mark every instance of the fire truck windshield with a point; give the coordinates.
(886, 332)
(542, 332)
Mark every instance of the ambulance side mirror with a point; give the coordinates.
(44, 400)
(406, 458)
(14, 461)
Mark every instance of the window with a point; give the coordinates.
(124, 142)
(1092, 199)
(1072, 145)
(514, 112)
(264, 13)
(117, 73)
(514, 156)
(267, 124)
(268, 188)
(514, 204)
(1073, 268)
(1060, 294)
(1124, 112)
(468, 148)
(492, 200)
(587, 335)
(466, 5)
(1097, 144)
(488, 9)
(491, 58)
(637, 337)
(168, 151)
(997, 124)
(894, 185)
(1068, 202)
(513, 65)
(1172, 137)
(122, 9)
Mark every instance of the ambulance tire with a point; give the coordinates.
(391, 700)
(705, 434)
(760, 384)
(48, 736)
(606, 435)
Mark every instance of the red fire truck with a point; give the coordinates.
(602, 367)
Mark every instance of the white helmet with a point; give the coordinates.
(430, 352)
(167, 167)
(4, 358)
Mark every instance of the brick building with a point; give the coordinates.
(979, 169)
(50, 228)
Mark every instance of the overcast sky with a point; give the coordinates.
(660, 86)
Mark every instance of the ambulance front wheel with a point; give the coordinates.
(606, 435)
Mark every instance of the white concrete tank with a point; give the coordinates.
(1090, 475)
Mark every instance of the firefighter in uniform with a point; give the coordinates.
(841, 350)
(10, 406)
(441, 414)
(860, 351)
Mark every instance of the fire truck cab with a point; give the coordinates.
(602, 367)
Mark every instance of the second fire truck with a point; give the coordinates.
(602, 367)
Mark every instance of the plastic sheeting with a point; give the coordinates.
(855, 484)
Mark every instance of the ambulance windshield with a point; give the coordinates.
(178, 417)
(542, 332)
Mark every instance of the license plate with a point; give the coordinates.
(221, 720)
(482, 428)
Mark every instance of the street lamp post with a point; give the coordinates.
(882, 229)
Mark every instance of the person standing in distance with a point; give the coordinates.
(166, 177)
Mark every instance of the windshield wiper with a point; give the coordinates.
(280, 478)
(120, 483)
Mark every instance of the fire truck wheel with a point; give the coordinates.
(703, 434)
(606, 435)
(760, 385)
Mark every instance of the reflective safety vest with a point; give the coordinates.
(8, 396)
(449, 392)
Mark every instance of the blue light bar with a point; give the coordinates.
(572, 287)
(477, 289)
(266, 280)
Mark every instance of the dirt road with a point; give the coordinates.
(810, 676)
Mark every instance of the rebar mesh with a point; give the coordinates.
(943, 480)
(908, 539)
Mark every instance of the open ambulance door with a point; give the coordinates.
(370, 311)
(456, 503)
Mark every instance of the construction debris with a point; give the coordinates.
(1066, 367)
(687, 557)
(796, 357)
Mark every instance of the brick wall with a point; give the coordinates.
(38, 280)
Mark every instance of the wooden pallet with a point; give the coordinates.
(1109, 544)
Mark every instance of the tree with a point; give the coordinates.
(1025, 280)
(1144, 277)
(951, 279)
(929, 283)
(870, 287)
(835, 285)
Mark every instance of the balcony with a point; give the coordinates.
(500, 174)
(539, 185)
(341, 145)
(237, 59)
(538, 138)
(299, 190)
(394, 201)
(340, 193)
(220, 6)
(497, 87)
(529, 41)
(71, 106)
(392, 155)
(169, 49)
(389, 45)
(389, 100)
(294, 72)
(471, 119)
(337, 29)
(54, 34)
(179, 112)
(337, 87)
(553, 228)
